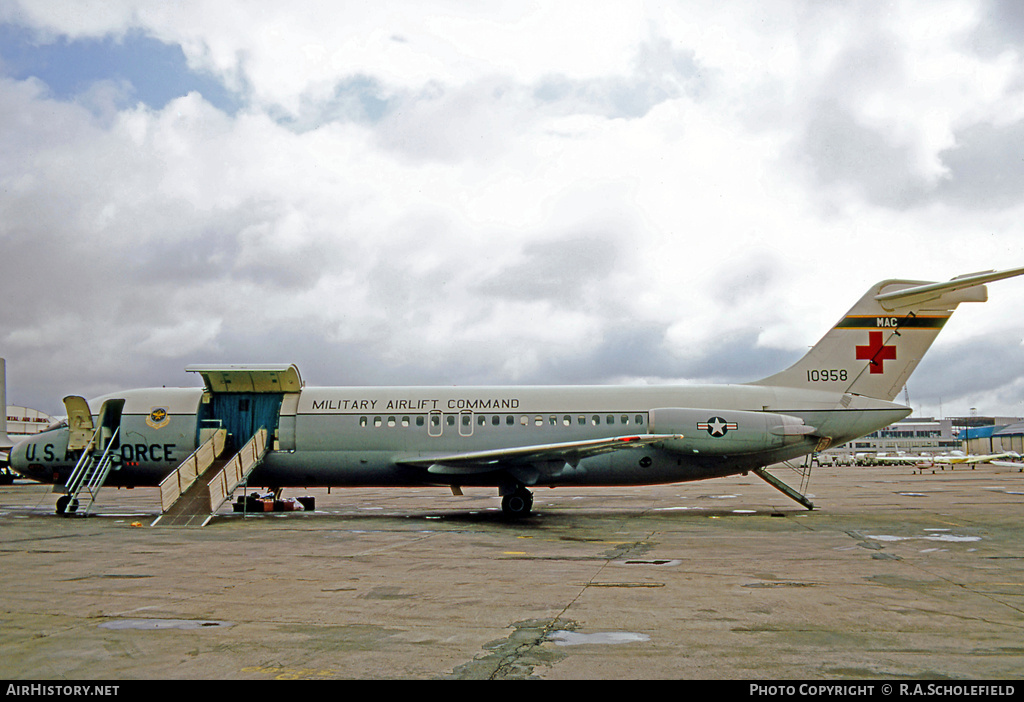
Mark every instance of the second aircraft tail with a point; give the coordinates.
(5, 441)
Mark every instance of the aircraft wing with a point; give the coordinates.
(1009, 464)
(989, 457)
(570, 452)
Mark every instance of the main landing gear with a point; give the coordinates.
(518, 503)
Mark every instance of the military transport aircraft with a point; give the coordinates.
(280, 433)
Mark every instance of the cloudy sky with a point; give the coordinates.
(441, 192)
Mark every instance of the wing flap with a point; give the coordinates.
(470, 462)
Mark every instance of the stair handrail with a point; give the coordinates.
(80, 466)
(99, 476)
(173, 486)
(103, 467)
(233, 473)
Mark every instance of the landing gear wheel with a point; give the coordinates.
(66, 506)
(517, 505)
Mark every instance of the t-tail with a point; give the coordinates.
(875, 347)
(5, 441)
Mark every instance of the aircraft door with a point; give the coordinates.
(80, 427)
(243, 414)
(110, 422)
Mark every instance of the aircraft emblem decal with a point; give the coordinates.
(716, 426)
(876, 352)
(158, 418)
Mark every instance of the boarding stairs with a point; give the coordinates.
(89, 474)
(193, 493)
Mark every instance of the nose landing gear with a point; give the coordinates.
(66, 506)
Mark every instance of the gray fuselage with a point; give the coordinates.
(371, 436)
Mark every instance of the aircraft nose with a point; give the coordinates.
(18, 462)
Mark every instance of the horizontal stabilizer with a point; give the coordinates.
(931, 291)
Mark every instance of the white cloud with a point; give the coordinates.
(516, 191)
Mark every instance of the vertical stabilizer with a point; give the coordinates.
(5, 441)
(875, 347)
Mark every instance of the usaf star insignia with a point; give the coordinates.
(716, 426)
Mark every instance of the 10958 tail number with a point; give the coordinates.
(831, 375)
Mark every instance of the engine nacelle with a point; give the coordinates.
(727, 432)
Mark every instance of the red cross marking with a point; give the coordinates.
(876, 351)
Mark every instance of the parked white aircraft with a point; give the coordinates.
(511, 438)
(959, 457)
(901, 458)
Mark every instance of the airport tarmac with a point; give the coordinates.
(894, 575)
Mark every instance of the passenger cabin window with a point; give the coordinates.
(510, 420)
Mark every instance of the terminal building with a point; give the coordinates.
(912, 436)
(994, 438)
(22, 421)
(18, 422)
(928, 436)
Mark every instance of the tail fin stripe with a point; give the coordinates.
(911, 321)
